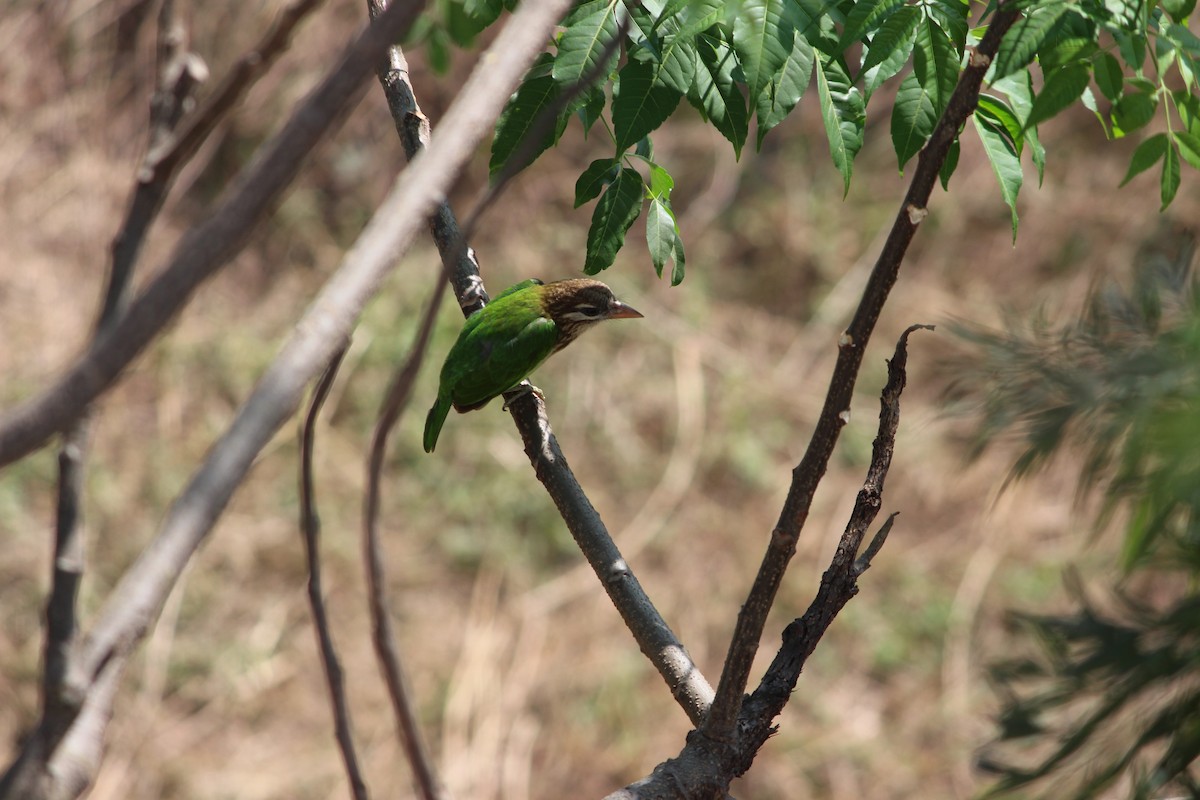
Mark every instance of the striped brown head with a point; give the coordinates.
(578, 303)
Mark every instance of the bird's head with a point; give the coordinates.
(578, 303)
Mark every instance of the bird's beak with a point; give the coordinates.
(619, 310)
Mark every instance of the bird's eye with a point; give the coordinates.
(589, 311)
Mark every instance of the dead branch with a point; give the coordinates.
(206, 248)
(310, 526)
(139, 596)
(383, 635)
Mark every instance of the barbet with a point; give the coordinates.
(506, 340)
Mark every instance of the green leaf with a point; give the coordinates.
(951, 16)
(463, 26)
(778, 99)
(844, 115)
(677, 256)
(1037, 152)
(1018, 87)
(1170, 178)
(1022, 41)
(892, 36)
(1109, 78)
(598, 174)
(662, 234)
(1132, 112)
(1132, 46)
(935, 63)
(640, 104)
(1062, 88)
(715, 93)
(699, 16)
(619, 206)
(1189, 147)
(484, 12)
(677, 67)
(438, 48)
(864, 17)
(584, 10)
(1002, 116)
(1072, 39)
(661, 183)
(516, 121)
(949, 165)
(583, 44)
(1183, 39)
(1179, 10)
(1188, 106)
(1146, 156)
(669, 11)
(875, 76)
(588, 105)
(762, 39)
(1006, 164)
(913, 118)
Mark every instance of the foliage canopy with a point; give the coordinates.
(626, 67)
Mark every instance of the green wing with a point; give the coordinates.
(516, 287)
(497, 354)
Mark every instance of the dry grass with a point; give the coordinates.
(683, 428)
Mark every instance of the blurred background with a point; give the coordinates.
(682, 427)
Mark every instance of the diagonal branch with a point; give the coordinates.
(179, 72)
(138, 598)
(650, 630)
(398, 395)
(206, 248)
(834, 414)
(169, 150)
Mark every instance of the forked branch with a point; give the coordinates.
(836, 410)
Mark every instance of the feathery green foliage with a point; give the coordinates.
(1112, 695)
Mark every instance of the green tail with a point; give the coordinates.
(434, 422)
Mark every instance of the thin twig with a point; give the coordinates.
(650, 630)
(834, 414)
(310, 526)
(206, 248)
(840, 581)
(386, 649)
(705, 767)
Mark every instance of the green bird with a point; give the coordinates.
(506, 340)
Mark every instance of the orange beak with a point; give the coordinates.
(619, 310)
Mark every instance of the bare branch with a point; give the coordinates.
(386, 649)
(206, 248)
(310, 525)
(137, 601)
(834, 414)
(706, 767)
(179, 74)
(652, 633)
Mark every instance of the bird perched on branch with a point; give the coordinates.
(506, 340)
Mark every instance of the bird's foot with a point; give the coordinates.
(524, 388)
